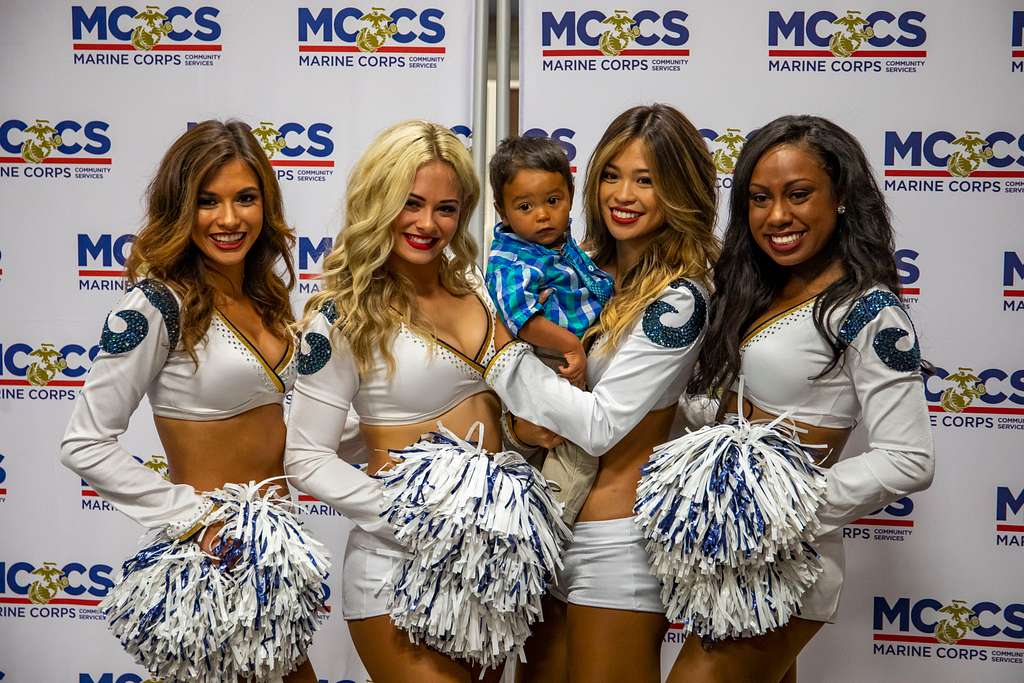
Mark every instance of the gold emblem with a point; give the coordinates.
(42, 143)
(622, 29)
(380, 27)
(725, 156)
(976, 151)
(270, 138)
(49, 583)
(155, 25)
(158, 463)
(46, 368)
(961, 620)
(851, 31)
(968, 387)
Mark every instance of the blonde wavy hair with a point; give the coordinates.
(164, 250)
(683, 177)
(371, 299)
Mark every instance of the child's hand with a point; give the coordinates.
(535, 435)
(575, 369)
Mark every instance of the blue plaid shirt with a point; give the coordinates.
(518, 271)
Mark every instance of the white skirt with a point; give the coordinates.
(368, 564)
(607, 566)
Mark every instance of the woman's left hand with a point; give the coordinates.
(535, 435)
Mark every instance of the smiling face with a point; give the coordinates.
(430, 218)
(629, 206)
(535, 204)
(792, 206)
(229, 215)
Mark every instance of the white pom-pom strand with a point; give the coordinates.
(728, 512)
(485, 537)
(250, 614)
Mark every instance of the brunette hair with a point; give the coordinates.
(683, 176)
(164, 249)
(746, 280)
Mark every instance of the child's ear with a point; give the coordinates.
(497, 209)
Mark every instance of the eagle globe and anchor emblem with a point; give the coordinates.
(851, 32)
(968, 387)
(49, 363)
(725, 157)
(270, 138)
(42, 143)
(50, 582)
(622, 30)
(155, 25)
(960, 621)
(158, 464)
(380, 27)
(976, 151)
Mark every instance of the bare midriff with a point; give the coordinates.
(483, 407)
(614, 490)
(208, 454)
(832, 439)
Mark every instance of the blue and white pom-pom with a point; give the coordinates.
(250, 614)
(728, 512)
(485, 538)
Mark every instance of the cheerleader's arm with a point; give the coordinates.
(136, 340)
(662, 345)
(328, 380)
(884, 363)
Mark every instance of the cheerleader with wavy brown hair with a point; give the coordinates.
(227, 585)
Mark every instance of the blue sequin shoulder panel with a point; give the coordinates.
(319, 345)
(866, 309)
(676, 337)
(136, 325)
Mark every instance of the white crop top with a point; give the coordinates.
(428, 381)
(647, 371)
(140, 354)
(878, 382)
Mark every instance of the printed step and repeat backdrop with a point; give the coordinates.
(96, 92)
(934, 90)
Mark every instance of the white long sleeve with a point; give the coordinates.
(323, 395)
(135, 343)
(883, 362)
(658, 354)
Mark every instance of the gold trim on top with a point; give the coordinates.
(475, 362)
(776, 318)
(271, 372)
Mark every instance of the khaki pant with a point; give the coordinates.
(571, 472)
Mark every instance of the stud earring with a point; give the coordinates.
(841, 209)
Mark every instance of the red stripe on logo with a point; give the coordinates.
(1015, 528)
(901, 638)
(910, 290)
(89, 492)
(128, 47)
(389, 49)
(624, 53)
(869, 521)
(57, 601)
(101, 273)
(858, 53)
(979, 409)
(895, 172)
(51, 383)
(1013, 292)
(311, 162)
(71, 161)
(309, 276)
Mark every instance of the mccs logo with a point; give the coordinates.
(994, 392)
(115, 678)
(894, 522)
(101, 260)
(910, 274)
(930, 621)
(366, 38)
(642, 34)
(42, 149)
(963, 157)
(73, 584)
(44, 369)
(124, 29)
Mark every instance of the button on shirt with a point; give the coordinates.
(518, 271)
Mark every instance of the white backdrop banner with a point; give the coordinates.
(935, 93)
(96, 94)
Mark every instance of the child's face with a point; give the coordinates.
(535, 204)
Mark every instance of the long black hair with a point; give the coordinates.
(746, 280)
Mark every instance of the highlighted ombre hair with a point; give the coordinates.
(683, 176)
(371, 299)
(164, 250)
